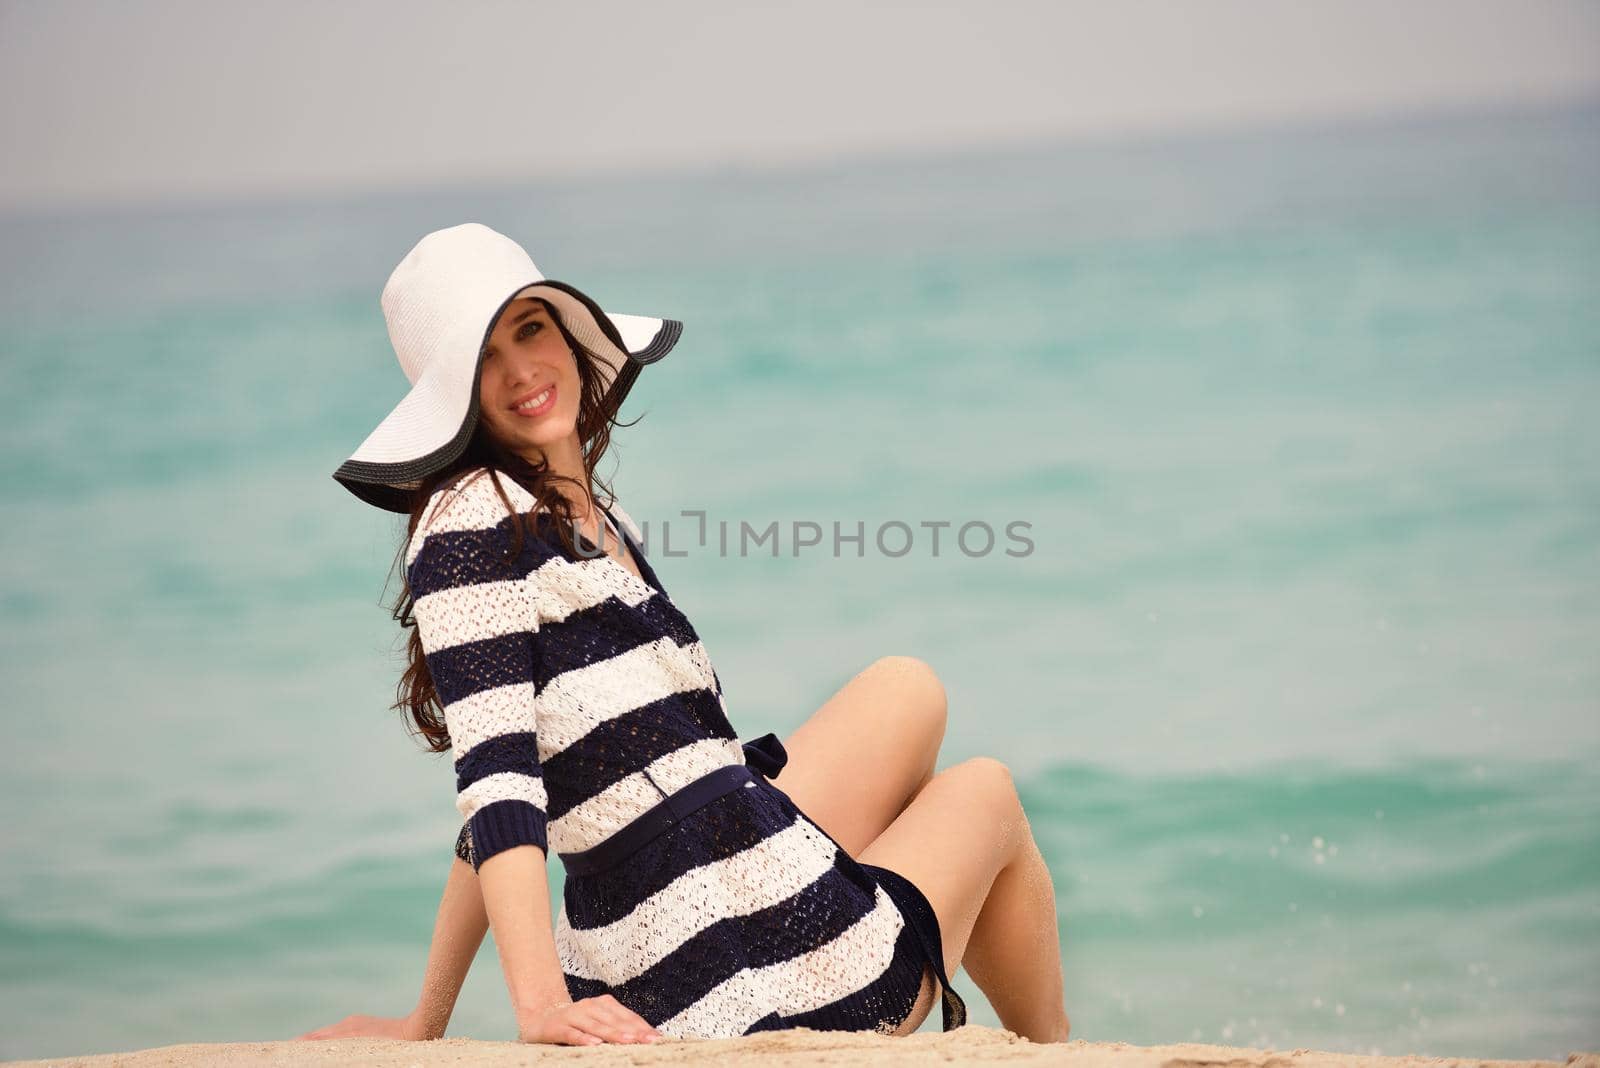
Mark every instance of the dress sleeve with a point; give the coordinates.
(476, 620)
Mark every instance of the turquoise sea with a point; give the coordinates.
(1299, 681)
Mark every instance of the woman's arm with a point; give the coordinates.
(545, 1012)
(457, 933)
(479, 634)
(534, 976)
(477, 624)
(522, 934)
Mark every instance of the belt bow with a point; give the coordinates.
(766, 755)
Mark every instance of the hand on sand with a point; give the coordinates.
(371, 1027)
(588, 1022)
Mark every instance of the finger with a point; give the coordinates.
(591, 1021)
(622, 1029)
(635, 1026)
(634, 1022)
(581, 1037)
(620, 1014)
(607, 1017)
(599, 1024)
(641, 1022)
(566, 1034)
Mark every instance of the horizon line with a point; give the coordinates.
(29, 208)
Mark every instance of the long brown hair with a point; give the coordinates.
(415, 695)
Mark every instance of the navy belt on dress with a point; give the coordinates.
(765, 755)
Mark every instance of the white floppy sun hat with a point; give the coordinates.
(441, 304)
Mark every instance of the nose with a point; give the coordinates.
(517, 370)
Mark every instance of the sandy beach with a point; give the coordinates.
(968, 1045)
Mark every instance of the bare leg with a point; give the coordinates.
(965, 842)
(863, 756)
(1014, 954)
(857, 762)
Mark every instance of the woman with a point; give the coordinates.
(701, 899)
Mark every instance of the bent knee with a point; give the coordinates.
(990, 769)
(990, 782)
(918, 681)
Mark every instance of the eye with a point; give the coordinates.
(527, 329)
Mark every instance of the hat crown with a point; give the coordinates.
(439, 300)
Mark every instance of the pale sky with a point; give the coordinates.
(171, 100)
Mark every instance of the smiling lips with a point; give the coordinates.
(535, 404)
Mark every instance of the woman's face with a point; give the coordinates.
(528, 391)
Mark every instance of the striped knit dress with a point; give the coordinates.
(578, 699)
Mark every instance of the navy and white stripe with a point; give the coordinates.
(577, 696)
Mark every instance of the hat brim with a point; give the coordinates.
(433, 423)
